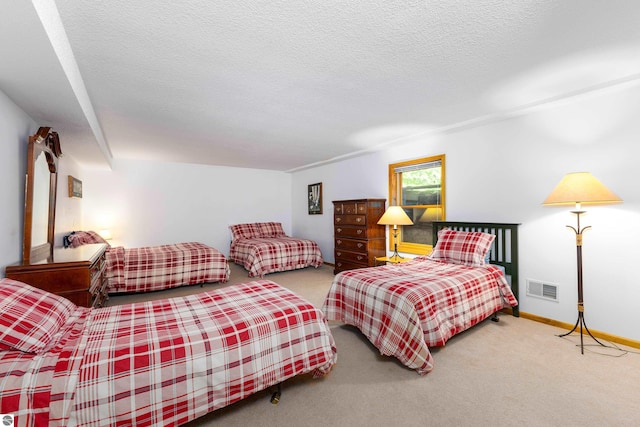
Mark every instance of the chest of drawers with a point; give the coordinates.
(78, 274)
(358, 238)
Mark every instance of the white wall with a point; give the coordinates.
(150, 203)
(15, 128)
(69, 213)
(501, 172)
(359, 178)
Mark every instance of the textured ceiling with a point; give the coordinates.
(286, 84)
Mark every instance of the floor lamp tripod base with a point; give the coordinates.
(580, 322)
(583, 326)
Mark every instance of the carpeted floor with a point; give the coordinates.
(514, 372)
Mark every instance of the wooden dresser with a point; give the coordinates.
(78, 274)
(358, 237)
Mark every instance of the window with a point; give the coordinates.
(418, 186)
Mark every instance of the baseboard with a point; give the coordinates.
(568, 326)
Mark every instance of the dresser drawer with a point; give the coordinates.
(341, 265)
(353, 257)
(351, 231)
(352, 245)
(98, 288)
(97, 272)
(350, 208)
(350, 220)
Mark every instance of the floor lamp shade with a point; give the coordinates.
(580, 188)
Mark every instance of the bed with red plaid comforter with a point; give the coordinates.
(166, 362)
(405, 308)
(154, 268)
(260, 256)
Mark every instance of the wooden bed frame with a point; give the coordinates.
(504, 249)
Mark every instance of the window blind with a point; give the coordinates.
(417, 166)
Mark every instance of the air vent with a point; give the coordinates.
(538, 289)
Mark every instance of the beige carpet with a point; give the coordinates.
(514, 372)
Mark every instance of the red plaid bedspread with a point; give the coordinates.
(167, 362)
(405, 308)
(154, 268)
(269, 255)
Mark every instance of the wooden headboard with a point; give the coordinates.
(504, 249)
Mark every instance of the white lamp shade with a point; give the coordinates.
(578, 188)
(395, 215)
(431, 214)
(105, 234)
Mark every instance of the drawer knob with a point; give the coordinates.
(360, 258)
(358, 219)
(359, 231)
(360, 245)
(338, 219)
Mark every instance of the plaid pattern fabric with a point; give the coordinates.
(268, 255)
(38, 389)
(29, 317)
(167, 362)
(244, 231)
(405, 308)
(462, 247)
(256, 230)
(153, 268)
(79, 238)
(271, 229)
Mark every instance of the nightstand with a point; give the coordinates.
(391, 260)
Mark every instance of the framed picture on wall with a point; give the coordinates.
(75, 187)
(314, 197)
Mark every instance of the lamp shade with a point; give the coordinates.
(105, 234)
(431, 214)
(579, 188)
(395, 215)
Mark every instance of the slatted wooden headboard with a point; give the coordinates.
(504, 250)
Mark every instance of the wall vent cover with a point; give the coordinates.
(539, 289)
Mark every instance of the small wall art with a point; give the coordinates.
(75, 187)
(314, 198)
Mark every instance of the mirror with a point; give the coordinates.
(40, 195)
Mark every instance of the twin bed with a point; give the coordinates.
(162, 362)
(403, 309)
(166, 362)
(263, 248)
(154, 268)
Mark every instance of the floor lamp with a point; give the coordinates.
(395, 215)
(580, 188)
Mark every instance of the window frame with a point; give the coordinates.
(395, 195)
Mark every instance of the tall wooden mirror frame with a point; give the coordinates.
(40, 195)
